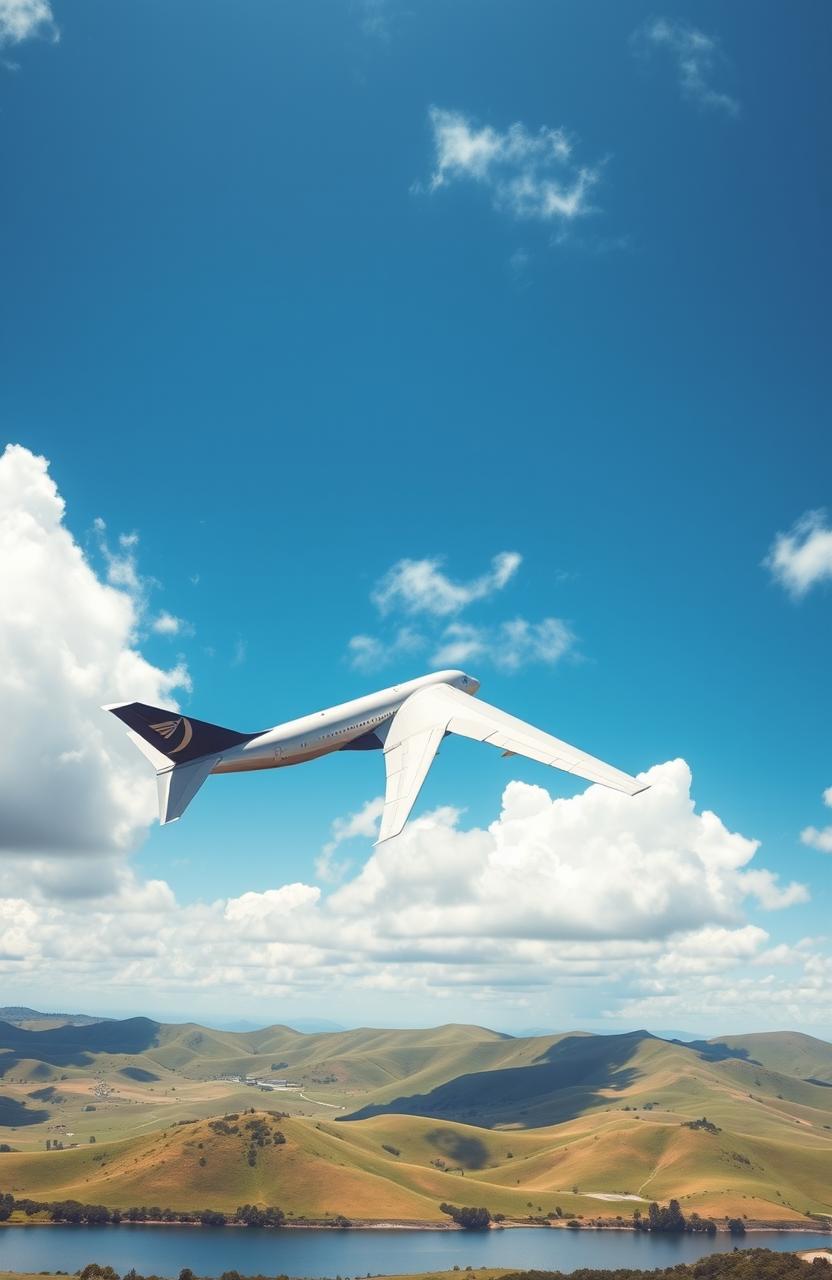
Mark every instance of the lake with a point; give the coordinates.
(304, 1252)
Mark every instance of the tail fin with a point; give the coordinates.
(183, 751)
(178, 738)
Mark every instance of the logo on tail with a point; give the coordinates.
(167, 728)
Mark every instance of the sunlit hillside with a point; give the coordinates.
(388, 1124)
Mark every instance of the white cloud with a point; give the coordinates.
(802, 558)
(167, 624)
(421, 586)
(696, 56)
(528, 175)
(598, 865)
(122, 563)
(71, 782)
(364, 823)
(820, 839)
(510, 645)
(770, 894)
(641, 898)
(369, 653)
(22, 19)
(458, 644)
(522, 642)
(710, 949)
(636, 896)
(265, 912)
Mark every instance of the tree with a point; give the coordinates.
(211, 1218)
(470, 1218)
(667, 1218)
(97, 1214)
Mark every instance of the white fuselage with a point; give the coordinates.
(331, 730)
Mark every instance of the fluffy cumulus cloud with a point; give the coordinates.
(71, 783)
(696, 57)
(597, 866)
(530, 175)
(643, 898)
(802, 558)
(734, 980)
(423, 588)
(22, 19)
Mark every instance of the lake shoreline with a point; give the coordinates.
(381, 1250)
(392, 1224)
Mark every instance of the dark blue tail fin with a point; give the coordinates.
(180, 738)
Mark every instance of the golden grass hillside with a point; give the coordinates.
(387, 1124)
(403, 1167)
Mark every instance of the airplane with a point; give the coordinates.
(407, 722)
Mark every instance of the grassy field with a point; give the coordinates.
(593, 1125)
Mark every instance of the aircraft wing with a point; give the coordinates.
(426, 716)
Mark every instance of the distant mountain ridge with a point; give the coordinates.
(20, 1015)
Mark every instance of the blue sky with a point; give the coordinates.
(286, 297)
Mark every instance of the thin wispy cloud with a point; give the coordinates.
(24, 19)
(422, 586)
(510, 645)
(528, 175)
(370, 653)
(696, 57)
(444, 636)
(802, 558)
(362, 824)
(120, 559)
(375, 18)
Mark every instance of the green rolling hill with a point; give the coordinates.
(387, 1124)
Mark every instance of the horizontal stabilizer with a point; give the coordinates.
(178, 784)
